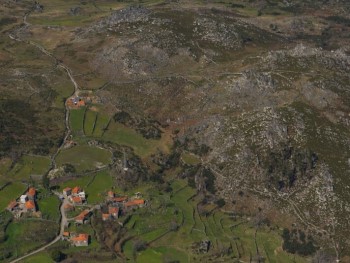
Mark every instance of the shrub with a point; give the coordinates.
(57, 255)
(221, 202)
(295, 241)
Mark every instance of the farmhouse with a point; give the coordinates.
(111, 195)
(113, 211)
(67, 191)
(76, 190)
(65, 235)
(82, 217)
(76, 195)
(30, 206)
(76, 102)
(80, 240)
(106, 217)
(76, 200)
(31, 193)
(134, 203)
(121, 199)
(23, 199)
(12, 206)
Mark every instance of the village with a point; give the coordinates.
(113, 207)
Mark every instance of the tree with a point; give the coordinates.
(221, 202)
(46, 182)
(69, 168)
(57, 255)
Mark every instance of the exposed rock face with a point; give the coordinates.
(127, 15)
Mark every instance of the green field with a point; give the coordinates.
(76, 118)
(64, 89)
(190, 159)
(11, 192)
(26, 235)
(28, 169)
(34, 166)
(84, 157)
(89, 122)
(42, 257)
(101, 124)
(49, 207)
(162, 254)
(120, 134)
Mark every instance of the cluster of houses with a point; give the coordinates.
(81, 239)
(112, 209)
(75, 195)
(76, 102)
(25, 204)
(121, 203)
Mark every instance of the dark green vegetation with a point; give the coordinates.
(295, 241)
(284, 168)
(227, 116)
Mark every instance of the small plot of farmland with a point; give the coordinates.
(84, 158)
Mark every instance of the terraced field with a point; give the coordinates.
(231, 236)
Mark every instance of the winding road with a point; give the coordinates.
(63, 224)
(63, 220)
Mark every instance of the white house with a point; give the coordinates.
(81, 194)
(23, 199)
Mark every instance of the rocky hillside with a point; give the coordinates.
(263, 86)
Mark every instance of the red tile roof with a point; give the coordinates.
(77, 199)
(113, 210)
(135, 202)
(82, 215)
(67, 189)
(105, 216)
(76, 190)
(81, 238)
(31, 191)
(30, 204)
(120, 199)
(110, 194)
(81, 103)
(12, 204)
(66, 234)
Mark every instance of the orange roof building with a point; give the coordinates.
(30, 205)
(76, 102)
(114, 211)
(31, 193)
(80, 240)
(81, 103)
(76, 190)
(105, 217)
(120, 199)
(82, 217)
(77, 200)
(110, 194)
(66, 234)
(136, 202)
(67, 191)
(12, 205)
